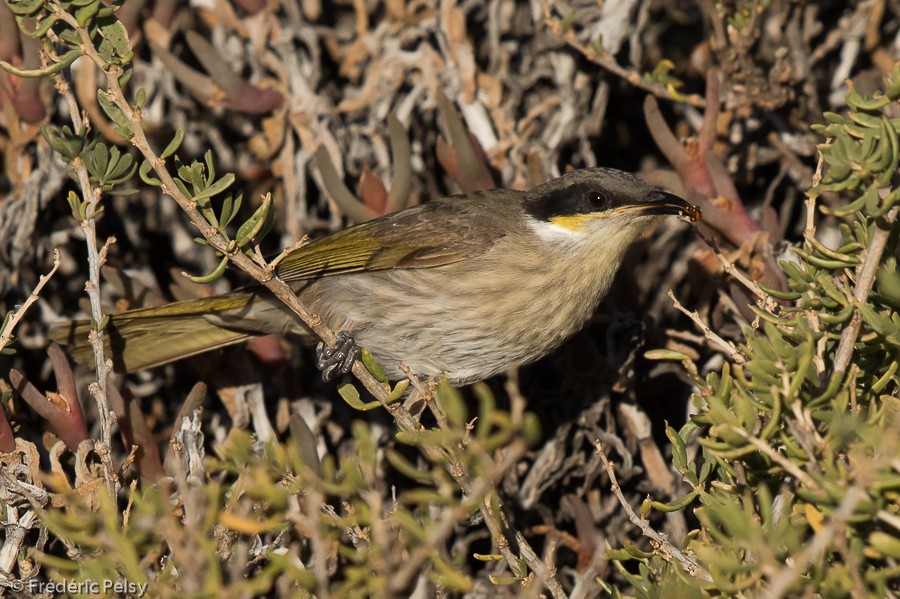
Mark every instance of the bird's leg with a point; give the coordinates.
(339, 357)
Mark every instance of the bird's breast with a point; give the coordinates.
(469, 320)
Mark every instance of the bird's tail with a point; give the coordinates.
(153, 336)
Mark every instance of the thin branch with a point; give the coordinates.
(545, 573)
(664, 548)
(787, 465)
(6, 333)
(262, 275)
(865, 278)
(96, 259)
(811, 199)
(726, 346)
(769, 303)
(608, 62)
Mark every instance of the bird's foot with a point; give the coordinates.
(339, 357)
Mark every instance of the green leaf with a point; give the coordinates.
(679, 451)
(174, 144)
(25, 7)
(252, 227)
(451, 402)
(633, 550)
(144, 173)
(63, 141)
(123, 131)
(214, 275)
(114, 45)
(140, 97)
(85, 13)
(407, 468)
(676, 505)
(115, 114)
(372, 366)
(43, 26)
(398, 391)
(230, 207)
(349, 394)
(214, 189)
(64, 62)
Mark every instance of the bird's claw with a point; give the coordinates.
(339, 357)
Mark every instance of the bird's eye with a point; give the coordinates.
(598, 200)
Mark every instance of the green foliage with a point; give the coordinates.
(662, 74)
(266, 500)
(64, 141)
(791, 460)
(863, 149)
(198, 182)
(91, 26)
(101, 27)
(109, 167)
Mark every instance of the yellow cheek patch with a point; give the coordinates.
(572, 222)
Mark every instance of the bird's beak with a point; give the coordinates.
(661, 203)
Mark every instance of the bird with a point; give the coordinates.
(466, 286)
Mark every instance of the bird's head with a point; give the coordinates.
(599, 206)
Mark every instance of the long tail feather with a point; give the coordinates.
(153, 336)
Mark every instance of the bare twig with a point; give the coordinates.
(608, 62)
(769, 303)
(96, 259)
(724, 345)
(6, 333)
(811, 199)
(661, 541)
(546, 574)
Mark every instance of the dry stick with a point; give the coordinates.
(6, 333)
(865, 277)
(546, 572)
(665, 549)
(769, 303)
(811, 199)
(96, 259)
(265, 276)
(726, 346)
(888, 518)
(608, 62)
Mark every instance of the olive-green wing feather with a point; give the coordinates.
(441, 232)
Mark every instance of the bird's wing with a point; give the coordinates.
(434, 234)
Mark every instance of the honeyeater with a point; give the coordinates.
(465, 286)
